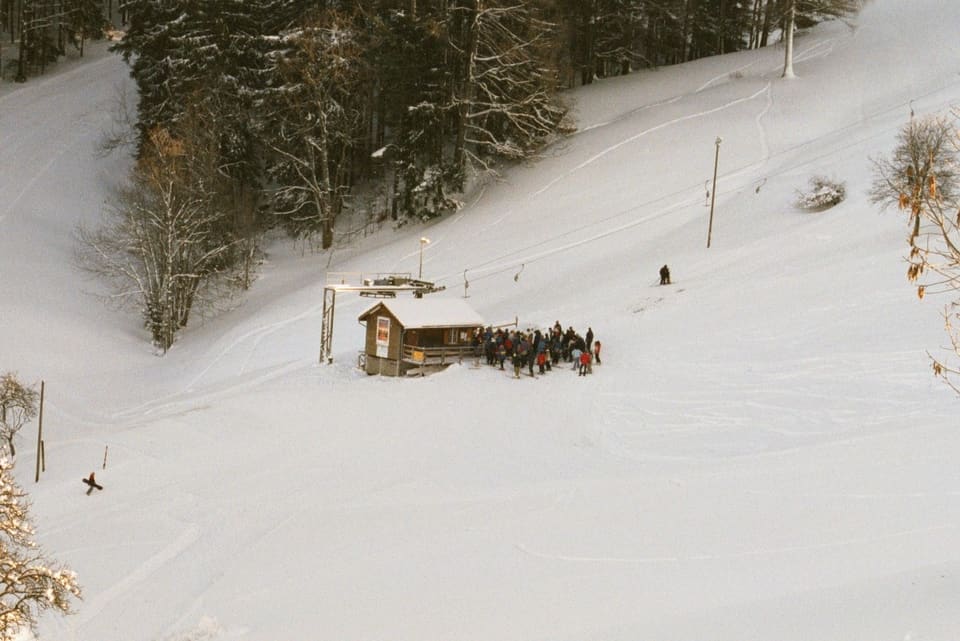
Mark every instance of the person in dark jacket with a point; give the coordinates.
(664, 275)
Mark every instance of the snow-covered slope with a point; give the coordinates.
(763, 453)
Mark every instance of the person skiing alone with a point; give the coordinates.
(92, 482)
(664, 275)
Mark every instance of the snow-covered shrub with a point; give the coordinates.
(822, 193)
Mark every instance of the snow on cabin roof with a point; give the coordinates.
(430, 312)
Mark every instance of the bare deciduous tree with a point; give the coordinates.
(505, 101)
(18, 405)
(166, 244)
(921, 179)
(29, 582)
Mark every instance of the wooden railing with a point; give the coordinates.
(443, 355)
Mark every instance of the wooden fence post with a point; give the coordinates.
(40, 434)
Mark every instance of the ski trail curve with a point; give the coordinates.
(635, 137)
(95, 606)
(725, 74)
(764, 144)
(746, 554)
(627, 114)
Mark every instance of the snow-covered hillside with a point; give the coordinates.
(763, 454)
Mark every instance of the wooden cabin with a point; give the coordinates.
(417, 335)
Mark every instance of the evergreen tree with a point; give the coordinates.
(317, 117)
(409, 58)
(618, 47)
(147, 47)
(86, 20)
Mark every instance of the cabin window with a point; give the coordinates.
(455, 336)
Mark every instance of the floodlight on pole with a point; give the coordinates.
(423, 241)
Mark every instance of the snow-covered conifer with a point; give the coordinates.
(318, 116)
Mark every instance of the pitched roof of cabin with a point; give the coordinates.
(429, 312)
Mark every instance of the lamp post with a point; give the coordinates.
(423, 241)
(713, 194)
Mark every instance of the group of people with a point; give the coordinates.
(543, 349)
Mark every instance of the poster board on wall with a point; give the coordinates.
(383, 336)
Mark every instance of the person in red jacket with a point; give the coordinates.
(584, 362)
(596, 351)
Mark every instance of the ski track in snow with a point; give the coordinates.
(764, 144)
(257, 334)
(55, 81)
(179, 403)
(42, 173)
(532, 258)
(630, 114)
(856, 496)
(661, 103)
(807, 54)
(747, 554)
(812, 53)
(726, 74)
(634, 138)
(173, 404)
(95, 606)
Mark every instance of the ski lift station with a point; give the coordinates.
(410, 335)
(418, 335)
